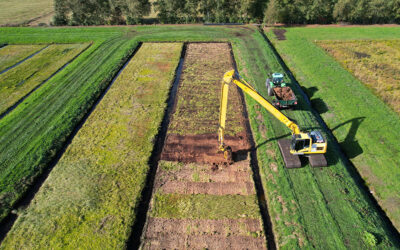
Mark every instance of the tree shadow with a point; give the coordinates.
(350, 145)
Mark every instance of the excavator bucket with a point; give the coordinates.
(228, 156)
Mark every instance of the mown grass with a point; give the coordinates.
(19, 81)
(366, 128)
(16, 12)
(33, 133)
(12, 54)
(375, 63)
(205, 206)
(319, 206)
(308, 207)
(88, 200)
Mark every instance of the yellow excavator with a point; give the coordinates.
(313, 145)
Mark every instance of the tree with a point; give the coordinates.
(61, 9)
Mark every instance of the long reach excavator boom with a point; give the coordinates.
(309, 144)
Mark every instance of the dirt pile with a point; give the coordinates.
(284, 93)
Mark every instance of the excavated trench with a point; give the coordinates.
(202, 171)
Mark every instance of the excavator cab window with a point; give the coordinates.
(301, 144)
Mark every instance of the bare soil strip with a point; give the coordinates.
(223, 227)
(183, 241)
(192, 131)
(198, 202)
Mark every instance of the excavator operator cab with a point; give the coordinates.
(308, 143)
(300, 144)
(277, 79)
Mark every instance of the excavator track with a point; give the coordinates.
(291, 161)
(317, 160)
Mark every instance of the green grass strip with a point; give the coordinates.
(19, 81)
(204, 206)
(366, 128)
(12, 54)
(89, 198)
(316, 205)
(32, 134)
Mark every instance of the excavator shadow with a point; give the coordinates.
(241, 155)
(350, 145)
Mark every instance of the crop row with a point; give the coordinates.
(96, 185)
(19, 81)
(366, 128)
(12, 54)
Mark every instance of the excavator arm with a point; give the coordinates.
(302, 143)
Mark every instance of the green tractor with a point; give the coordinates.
(284, 95)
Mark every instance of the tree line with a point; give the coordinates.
(112, 12)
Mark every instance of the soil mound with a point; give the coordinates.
(284, 93)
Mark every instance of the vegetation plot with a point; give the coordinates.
(88, 200)
(33, 133)
(308, 207)
(15, 12)
(12, 54)
(365, 127)
(375, 63)
(19, 81)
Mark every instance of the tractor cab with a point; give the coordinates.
(277, 79)
(308, 143)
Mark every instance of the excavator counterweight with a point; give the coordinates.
(312, 145)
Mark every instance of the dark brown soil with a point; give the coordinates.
(202, 148)
(280, 34)
(284, 93)
(204, 234)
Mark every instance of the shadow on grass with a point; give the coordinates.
(319, 105)
(350, 145)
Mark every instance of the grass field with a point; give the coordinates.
(96, 185)
(22, 79)
(308, 207)
(375, 63)
(16, 12)
(33, 133)
(12, 54)
(365, 127)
